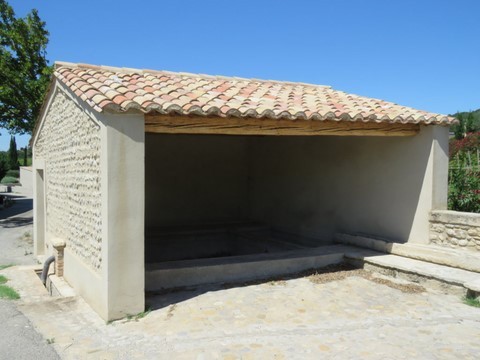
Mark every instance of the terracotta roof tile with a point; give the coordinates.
(148, 91)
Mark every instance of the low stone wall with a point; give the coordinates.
(455, 229)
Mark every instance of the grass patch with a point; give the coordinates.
(9, 180)
(143, 314)
(13, 173)
(6, 292)
(471, 301)
(5, 266)
(138, 316)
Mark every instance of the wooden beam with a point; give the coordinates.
(178, 124)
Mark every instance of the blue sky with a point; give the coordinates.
(419, 53)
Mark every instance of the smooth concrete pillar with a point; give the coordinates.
(440, 158)
(433, 195)
(123, 191)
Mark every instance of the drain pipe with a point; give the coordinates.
(46, 266)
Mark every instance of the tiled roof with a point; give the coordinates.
(149, 91)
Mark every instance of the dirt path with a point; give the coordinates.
(18, 338)
(16, 224)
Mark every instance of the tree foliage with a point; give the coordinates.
(24, 70)
(468, 122)
(464, 184)
(464, 174)
(3, 165)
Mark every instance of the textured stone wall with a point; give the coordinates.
(455, 229)
(69, 142)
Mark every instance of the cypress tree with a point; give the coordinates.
(3, 166)
(459, 129)
(13, 154)
(25, 151)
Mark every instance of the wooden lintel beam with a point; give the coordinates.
(168, 124)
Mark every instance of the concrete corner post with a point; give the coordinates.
(433, 195)
(123, 199)
(440, 167)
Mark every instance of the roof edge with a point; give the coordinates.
(126, 70)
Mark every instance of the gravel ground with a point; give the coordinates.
(341, 272)
(328, 274)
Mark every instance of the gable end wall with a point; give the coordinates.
(69, 143)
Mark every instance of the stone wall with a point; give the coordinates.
(455, 229)
(69, 142)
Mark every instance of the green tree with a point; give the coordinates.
(3, 165)
(459, 129)
(24, 70)
(464, 185)
(470, 123)
(13, 154)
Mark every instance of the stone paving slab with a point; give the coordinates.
(292, 319)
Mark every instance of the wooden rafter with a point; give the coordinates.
(177, 124)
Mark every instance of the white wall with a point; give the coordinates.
(26, 179)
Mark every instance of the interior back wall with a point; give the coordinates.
(191, 179)
(320, 185)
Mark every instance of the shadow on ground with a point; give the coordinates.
(21, 205)
(16, 222)
(155, 300)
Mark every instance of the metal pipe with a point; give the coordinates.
(46, 266)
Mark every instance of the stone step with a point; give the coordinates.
(451, 280)
(461, 259)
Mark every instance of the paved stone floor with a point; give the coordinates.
(295, 319)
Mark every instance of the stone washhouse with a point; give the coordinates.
(147, 180)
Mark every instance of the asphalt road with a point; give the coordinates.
(18, 338)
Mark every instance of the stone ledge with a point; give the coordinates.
(456, 258)
(59, 287)
(455, 281)
(455, 217)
